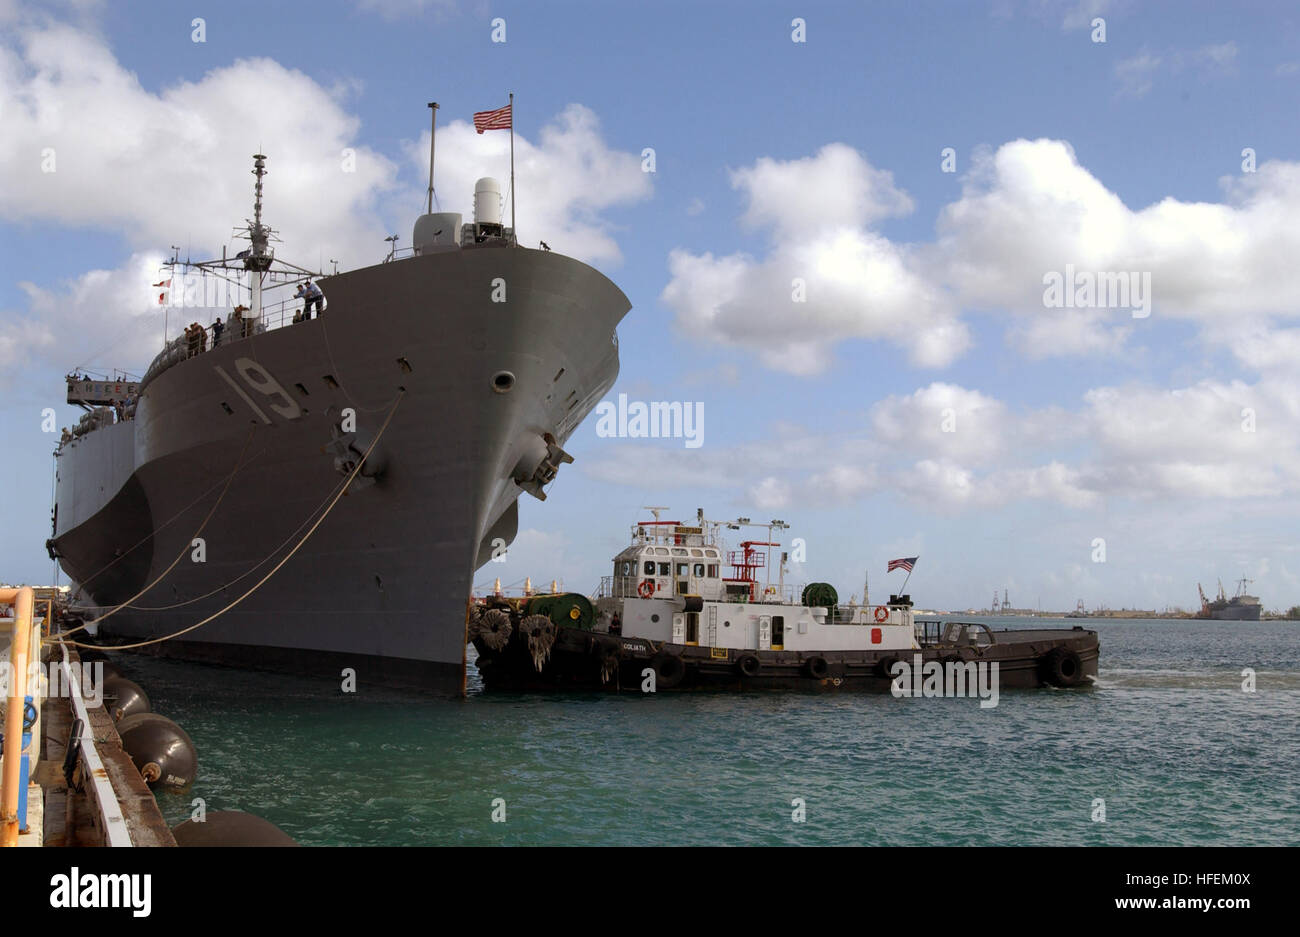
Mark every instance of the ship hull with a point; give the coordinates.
(1235, 613)
(225, 475)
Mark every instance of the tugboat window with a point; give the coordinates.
(665, 569)
(627, 569)
(699, 569)
(682, 568)
(654, 617)
(713, 569)
(650, 568)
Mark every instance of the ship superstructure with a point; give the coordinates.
(670, 584)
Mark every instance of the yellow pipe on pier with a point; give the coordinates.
(22, 599)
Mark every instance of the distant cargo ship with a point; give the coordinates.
(1241, 607)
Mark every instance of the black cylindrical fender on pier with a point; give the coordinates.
(817, 668)
(230, 828)
(161, 750)
(123, 697)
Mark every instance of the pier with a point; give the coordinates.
(68, 782)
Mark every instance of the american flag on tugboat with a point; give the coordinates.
(906, 563)
(493, 120)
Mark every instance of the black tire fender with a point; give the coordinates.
(748, 665)
(669, 670)
(817, 668)
(1062, 667)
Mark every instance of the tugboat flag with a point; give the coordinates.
(493, 120)
(905, 563)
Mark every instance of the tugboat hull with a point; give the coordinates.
(589, 660)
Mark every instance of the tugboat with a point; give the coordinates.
(667, 619)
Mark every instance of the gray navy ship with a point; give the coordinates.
(444, 384)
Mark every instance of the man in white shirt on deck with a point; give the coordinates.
(311, 294)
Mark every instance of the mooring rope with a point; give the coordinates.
(185, 548)
(343, 490)
(244, 575)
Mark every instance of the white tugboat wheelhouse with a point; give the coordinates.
(668, 586)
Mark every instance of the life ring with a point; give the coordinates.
(1062, 667)
(817, 667)
(646, 589)
(881, 613)
(748, 665)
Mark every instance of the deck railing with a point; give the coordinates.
(274, 316)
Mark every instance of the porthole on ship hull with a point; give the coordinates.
(503, 382)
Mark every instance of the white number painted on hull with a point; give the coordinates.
(260, 380)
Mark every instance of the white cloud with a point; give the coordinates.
(1079, 14)
(1215, 440)
(1027, 210)
(799, 198)
(160, 166)
(1136, 74)
(943, 420)
(102, 318)
(1030, 208)
(403, 9)
(1220, 54)
(770, 493)
(827, 277)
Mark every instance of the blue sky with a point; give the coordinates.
(819, 159)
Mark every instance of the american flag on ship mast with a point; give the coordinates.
(906, 562)
(503, 118)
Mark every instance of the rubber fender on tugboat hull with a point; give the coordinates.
(669, 670)
(1062, 667)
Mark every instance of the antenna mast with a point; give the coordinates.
(433, 130)
(260, 255)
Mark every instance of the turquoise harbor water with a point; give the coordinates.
(1180, 755)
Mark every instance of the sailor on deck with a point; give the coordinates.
(310, 294)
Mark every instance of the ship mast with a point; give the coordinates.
(260, 254)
